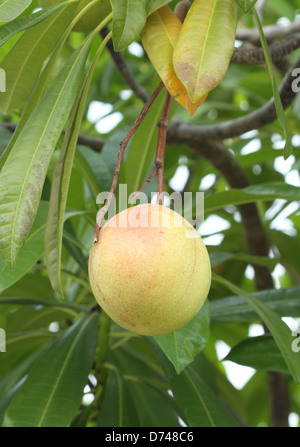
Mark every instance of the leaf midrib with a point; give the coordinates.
(53, 111)
(72, 347)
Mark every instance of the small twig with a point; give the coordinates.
(161, 144)
(101, 213)
(154, 170)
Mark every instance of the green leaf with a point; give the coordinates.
(20, 345)
(183, 345)
(32, 48)
(147, 390)
(288, 150)
(61, 181)
(32, 251)
(81, 160)
(288, 248)
(200, 406)
(259, 192)
(218, 257)
(285, 302)
(198, 403)
(260, 353)
(53, 390)
(40, 302)
(129, 17)
(12, 382)
(202, 61)
(143, 147)
(245, 5)
(279, 330)
(74, 247)
(153, 5)
(10, 9)
(117, 409)
(22, 23)
(23, 174)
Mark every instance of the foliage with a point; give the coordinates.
(66, 363)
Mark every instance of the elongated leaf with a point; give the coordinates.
(22, 344)
(183, 345)
(118, 409)
(40, 87)
(288, 247)
(260, 192)
(288, 150)
(205, 45)
(53, 390)
(33, 47)
(198, 404)
(32, 252)
(86, 169)
(23, 174)
(153, 5)
(217, 258)
(10, 9)
(22, 23)
(12, 382)
(245, 5)
(150, 399)
(159, 37)
(279, 330)
(260, 353)
(142, 147)
(61, 180)
(285, 302)
(39, 302)
(129, 17)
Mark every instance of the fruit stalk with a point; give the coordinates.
(101, 213)
(161, 144)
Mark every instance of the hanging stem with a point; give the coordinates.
(101, 213)
(161, 144)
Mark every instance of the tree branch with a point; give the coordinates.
(271, 32)
(180, 131)
(255, 56)
(124, 69)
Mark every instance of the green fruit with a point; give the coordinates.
(91, 18)
(150, 270)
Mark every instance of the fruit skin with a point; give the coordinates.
(91, 18)
(149, 280)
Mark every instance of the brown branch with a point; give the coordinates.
(180, 131)
(101, 213)
(124, 69)
(255, 56)
(161, 144)
(271, 32)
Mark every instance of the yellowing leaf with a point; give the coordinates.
(159, 38)
(205, 45)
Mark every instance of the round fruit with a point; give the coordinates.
(150, 270)
(91, 18)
